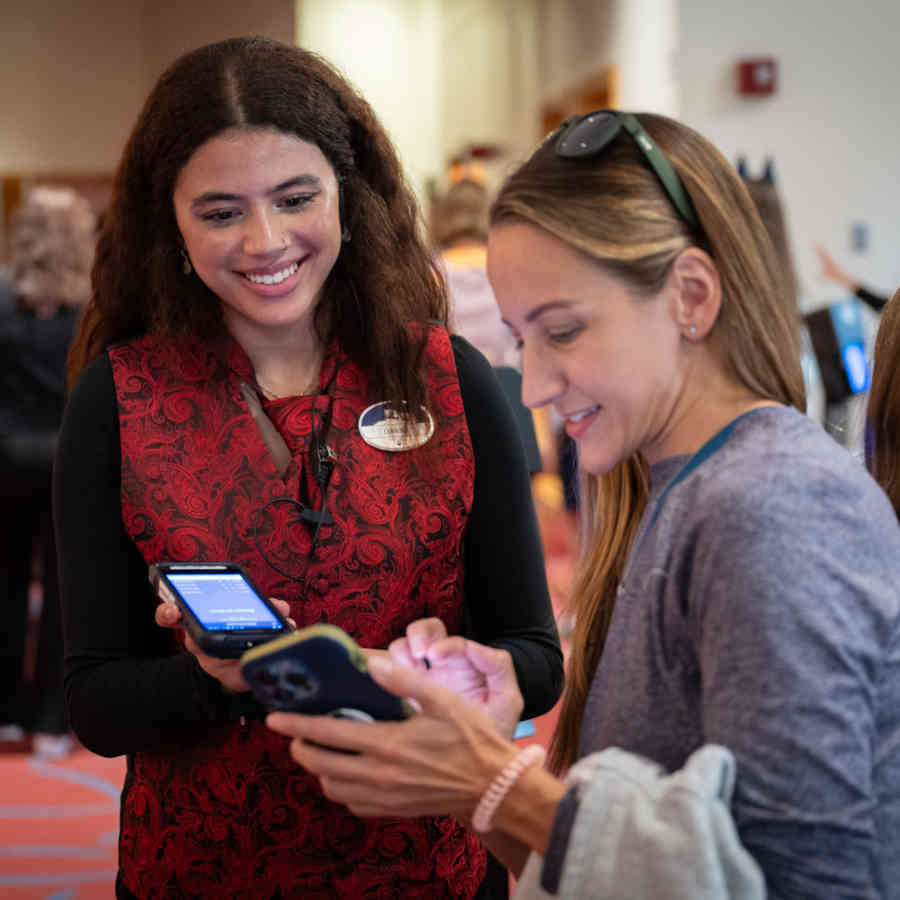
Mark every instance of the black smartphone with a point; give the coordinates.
(319, 670)
(221, 607)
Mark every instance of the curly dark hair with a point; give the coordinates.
(384, 278)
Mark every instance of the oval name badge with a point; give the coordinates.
(382, 427)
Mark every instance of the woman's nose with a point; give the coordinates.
(541, 382)
(263, 234)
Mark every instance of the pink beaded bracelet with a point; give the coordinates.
(484, 812)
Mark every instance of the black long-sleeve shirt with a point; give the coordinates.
(125, 689)
(875, 301)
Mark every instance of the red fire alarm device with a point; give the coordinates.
(757, 77)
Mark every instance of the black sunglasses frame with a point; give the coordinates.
(584, 137)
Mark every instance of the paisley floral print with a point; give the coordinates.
(232, 815)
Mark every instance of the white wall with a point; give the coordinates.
(490, 74)
(583, 38)
(576, 42)
(502, 60)
(833, 127)
(388, 50)
(645, 37)
(440, 74)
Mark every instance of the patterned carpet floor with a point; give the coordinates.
(58, 826)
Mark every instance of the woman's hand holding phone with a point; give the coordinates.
(437, 762)
(481, 675)
(226, 671)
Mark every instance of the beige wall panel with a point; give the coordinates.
(71, 81)
(172, 27)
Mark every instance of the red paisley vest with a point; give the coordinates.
(233, 816)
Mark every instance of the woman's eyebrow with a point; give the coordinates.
(298, 181)
(223, 197)
(547, 307)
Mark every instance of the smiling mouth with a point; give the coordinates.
(577, 417)
(274, 278)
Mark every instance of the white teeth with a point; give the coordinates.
(579, 416)
(277, 278)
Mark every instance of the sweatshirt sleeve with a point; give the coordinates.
(506, 594)
(128, 685)
(630, 830)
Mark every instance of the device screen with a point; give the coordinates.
(223, 601)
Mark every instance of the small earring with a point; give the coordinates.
(692, 331)
(345, 235)
(186, 262)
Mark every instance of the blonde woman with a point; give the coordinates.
(732, 717)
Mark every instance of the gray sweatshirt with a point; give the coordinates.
(759, 611)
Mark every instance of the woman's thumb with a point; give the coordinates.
(495, 665)
(402, 680)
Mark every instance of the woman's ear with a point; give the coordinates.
(697, 294)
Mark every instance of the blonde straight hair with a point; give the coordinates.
(613, 209)
(882, 439)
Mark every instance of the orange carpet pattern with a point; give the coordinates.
(59, 826)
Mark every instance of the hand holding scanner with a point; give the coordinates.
(221, 608)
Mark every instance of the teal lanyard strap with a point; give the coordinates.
(716, 442)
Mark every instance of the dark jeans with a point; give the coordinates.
(26, 525)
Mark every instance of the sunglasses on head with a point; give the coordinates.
(583, 137)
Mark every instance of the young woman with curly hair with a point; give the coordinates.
(260, 285)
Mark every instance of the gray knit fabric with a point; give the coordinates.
(760, 611)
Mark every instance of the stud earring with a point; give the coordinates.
(186, 262)
(345, 235)
(692, 331)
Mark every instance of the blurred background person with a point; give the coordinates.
(767, 199)
(882, 433)
(53, 238)
(833, 272)
(459, 227)
(841, 331)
